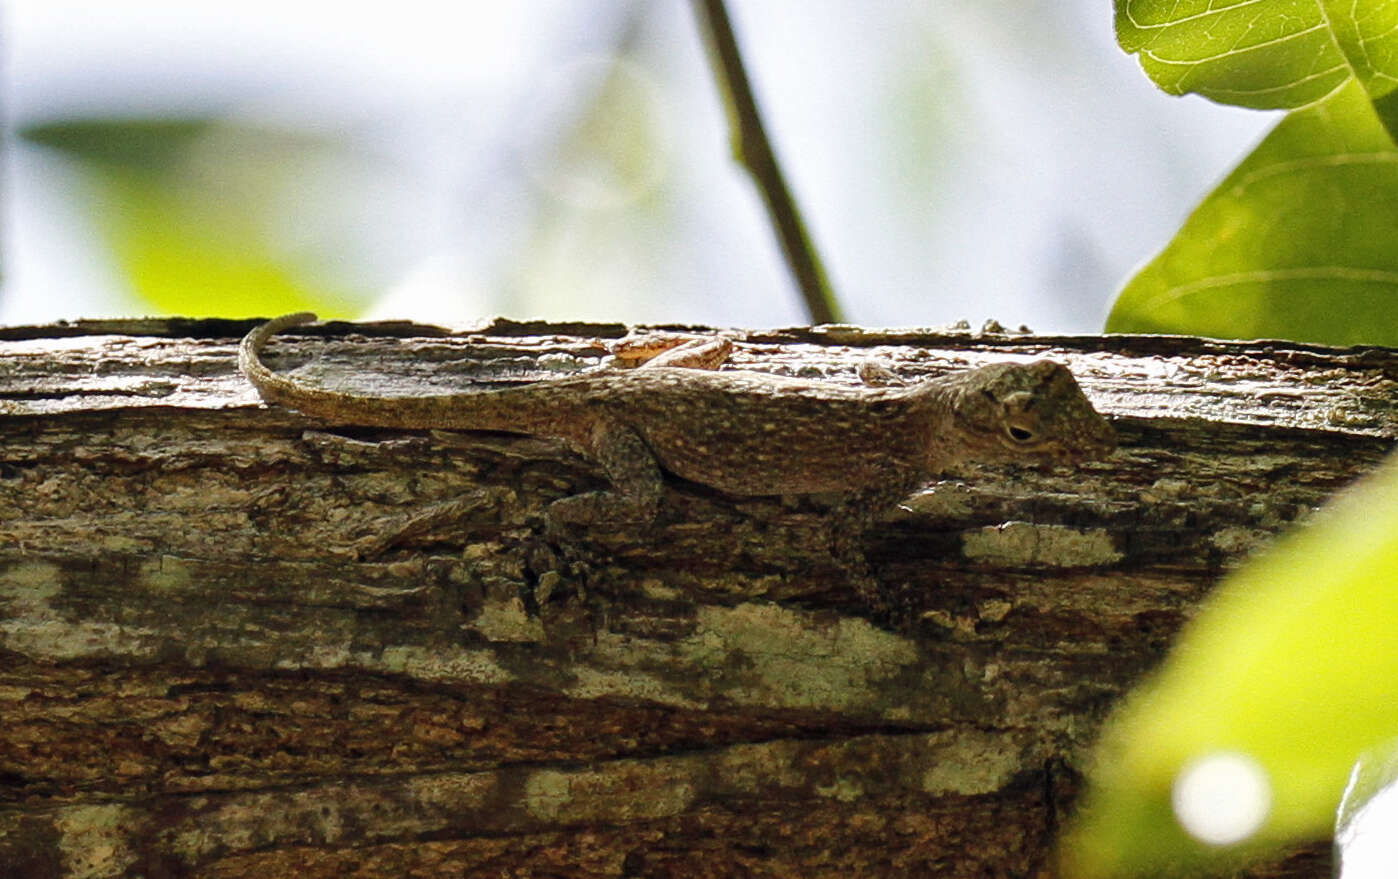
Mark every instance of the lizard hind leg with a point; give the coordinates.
(635, 477)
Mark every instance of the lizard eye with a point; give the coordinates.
(1019, 434)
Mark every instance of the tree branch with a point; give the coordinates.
(753, 149)
(200, 676)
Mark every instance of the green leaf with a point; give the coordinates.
(1291, 665)
(1265, 54)
(1297, 243)
(1367, 34)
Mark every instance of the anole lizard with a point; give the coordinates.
(743, 433)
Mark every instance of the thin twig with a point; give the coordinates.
(754, 151)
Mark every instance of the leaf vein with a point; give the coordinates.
(1310, 163)
(1231, 53)
(1211, 11)
(1263, 276)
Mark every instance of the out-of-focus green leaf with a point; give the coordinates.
(182, 259)
(1292, 666)
(196, 213)
(1299, 242)
(148, 144)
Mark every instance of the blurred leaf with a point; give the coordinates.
(1291, 665)
(183, 260)
(142, 144)
(1299, 242)
(199, 214)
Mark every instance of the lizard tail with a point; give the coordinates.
(325, 402)
(517, 410)
(250, 363)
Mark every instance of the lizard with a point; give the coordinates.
(740, 432)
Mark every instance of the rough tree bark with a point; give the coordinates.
(212, 665)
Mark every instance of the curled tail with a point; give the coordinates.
(267, 382)
(277, 388)
(544, 409)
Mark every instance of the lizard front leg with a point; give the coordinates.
(850, 522)
(634, 497)
(633, 472)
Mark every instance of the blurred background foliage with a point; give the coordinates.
(206, 218)
(570, 159)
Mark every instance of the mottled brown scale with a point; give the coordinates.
(743, 433)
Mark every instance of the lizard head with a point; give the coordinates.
(1030, 413)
